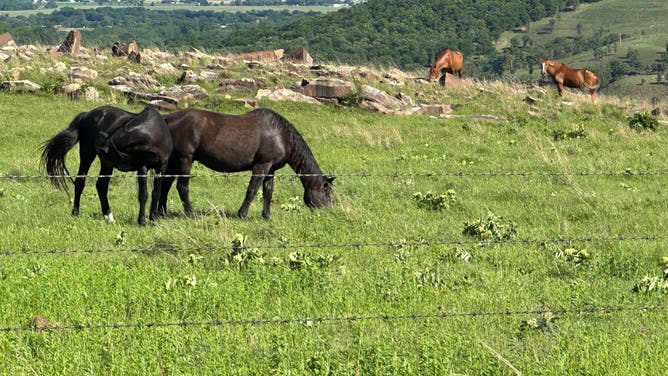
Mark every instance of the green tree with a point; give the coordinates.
(618, 69)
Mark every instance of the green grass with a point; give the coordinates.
(375, 252)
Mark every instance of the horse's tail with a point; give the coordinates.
(55, 150)
(589, 87)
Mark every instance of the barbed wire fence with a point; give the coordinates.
(361, 174)
(587, 310)
(344, 246)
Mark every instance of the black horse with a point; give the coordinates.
(261, 141)
(122, 140)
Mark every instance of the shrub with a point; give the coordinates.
(643, 120)
(433, 201)
(492, 228)
(578, 131)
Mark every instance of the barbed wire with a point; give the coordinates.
(315, 320)
(355, 245)
(363, 174)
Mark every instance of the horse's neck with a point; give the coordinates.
(304, 164)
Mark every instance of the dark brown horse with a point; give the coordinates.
(447, 61)
(563, 75)
(261, 141)
(122, 140)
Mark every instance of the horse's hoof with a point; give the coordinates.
(109, 218)
(265, 215)
(241, 215)
(75, 212)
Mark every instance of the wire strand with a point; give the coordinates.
(314, 320)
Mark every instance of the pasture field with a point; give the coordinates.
(534, 246)
(168, 7)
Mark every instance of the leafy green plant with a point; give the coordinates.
(573, 255)
(293, 204)
(430, 276)
(654, 283)
(434, 201)
(492, 228)
(241, 255)
(643, 120)
(544, 323)
(298, 260)
(353, 99)
(578, 131)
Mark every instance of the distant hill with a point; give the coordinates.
(623, 41)
(626, 42)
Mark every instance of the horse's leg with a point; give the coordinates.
(267, 192)
(102, 186)
(259, 171)
(560, 88)
(86, 157)
(182, 182)
(164, 192)
(142, 194)
(156, 195)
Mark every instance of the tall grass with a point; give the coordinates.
(553, 169)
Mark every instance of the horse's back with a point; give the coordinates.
(225, 142)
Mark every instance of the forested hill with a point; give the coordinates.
(406, 33)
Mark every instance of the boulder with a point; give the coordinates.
(119, 49)
(284, 95)
(660, 112)
(136, 80)
(325, 88)
(7, 40)
(299, 55)
(243, 85)
(450, 80)
(433, 109)
(72, 43)
(23, 84)
(164, 68)
(265, 56)
(192, 92)
(375, 95)
(72, 90)
(82, 73)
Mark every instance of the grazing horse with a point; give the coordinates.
(261, 141)
(562, 75)
(122, 140)
(447, 61)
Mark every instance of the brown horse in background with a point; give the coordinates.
(563, 75)
(448, 61)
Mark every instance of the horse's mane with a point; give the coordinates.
(300, 157)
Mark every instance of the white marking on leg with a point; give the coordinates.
(109, 218)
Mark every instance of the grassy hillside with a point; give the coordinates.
(640, 25)
(507, 236)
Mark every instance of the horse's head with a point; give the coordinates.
(320, 194)
(549, 66)
(433, 73)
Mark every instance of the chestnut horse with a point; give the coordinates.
(122, 140)
(562, 75)
(261, 141)
(447, 61)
